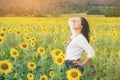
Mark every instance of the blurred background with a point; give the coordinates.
(46, 8)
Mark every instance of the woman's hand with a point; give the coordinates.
(73, 19)
(78, 62)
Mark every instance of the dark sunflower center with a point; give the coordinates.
(41, 50)
(51, 73)
(31, 65)
(27, 37)
(57, 53)
(74, 74)
(14, 53)
(18, 32)
(2, 34)
(0, 40)
(30, 75)
(24, 45)
(4, 66)
(42, 78)
(94, 38)
(65, 42)
(59, 60)
(4, 29)
(44, 29)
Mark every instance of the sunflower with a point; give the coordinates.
(114, 34)
(2, 34)
(1, 40)
(51, 73)
(30, 76)
(62, 55)
(64, 43)
(32, 43)
(54, 32)
(93, 38)
(10, 31)
(59, 60)
(33, 27)
(5, 66)
(24, 46)
(26, 32)
(3, 29)
(64, 30)
(17, 32)
(26, 38)
(55, 39)
(33, 39)
(41, 51)
(31, 65)
(14, 53)
(52, 53)
(44, 29)
(62, 36)
(68, 37)
(55, 52)
(43, 77)
(73, 74)
(2, 53)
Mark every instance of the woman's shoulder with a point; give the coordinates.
(82, 38)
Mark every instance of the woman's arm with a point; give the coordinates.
(71, 24)
(88, 49)
(87, 60)
(73, 19)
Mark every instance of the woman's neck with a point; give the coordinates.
(77, 32)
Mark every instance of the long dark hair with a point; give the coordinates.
(85, 30)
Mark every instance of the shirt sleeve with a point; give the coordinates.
(86, 47)
(71, 27)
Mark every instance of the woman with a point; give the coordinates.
(78, 43)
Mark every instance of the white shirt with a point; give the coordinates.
(77, 46)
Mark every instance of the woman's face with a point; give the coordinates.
(77, 23)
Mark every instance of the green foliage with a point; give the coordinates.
(115, 12)
(96, 10)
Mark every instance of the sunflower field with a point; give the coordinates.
(34, 49)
